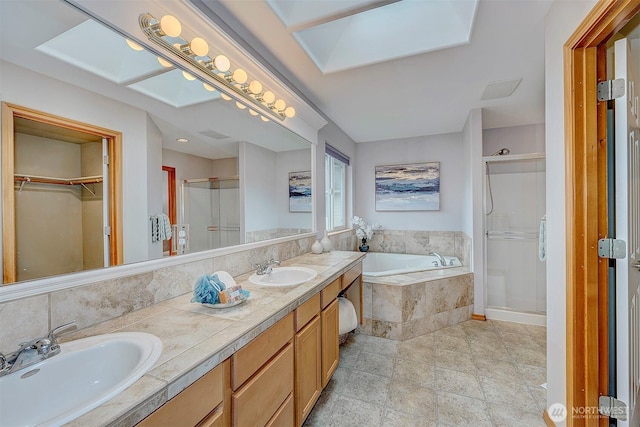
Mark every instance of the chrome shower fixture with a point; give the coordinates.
(502, 152)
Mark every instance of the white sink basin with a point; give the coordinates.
(85, 374)
(284, 276)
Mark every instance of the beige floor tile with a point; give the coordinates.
(446, 342)
(412, 399)
(528, 356)
(509, 327)
(367, 387)
(506, 416)
(457, 382)
(347, 412)
(498, 369)
(349, 354)
(533, 375)
(489, 351)
(476, 325)
(392, 418)
(374, 364)
(455, 360)
(452, 331)
(539, 395)
(519, 340)
(508, 393)
(381, 346)
(461, 411)
(410, 371)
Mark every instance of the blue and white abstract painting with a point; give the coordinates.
(411, 187)
(300, 191)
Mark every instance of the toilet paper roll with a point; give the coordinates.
(347, 318)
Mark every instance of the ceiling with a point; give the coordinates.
(401, 92)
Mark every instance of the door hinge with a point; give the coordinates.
(610, 89)
(105, 160)
(107, 230)
(612, 248)
(612, 408)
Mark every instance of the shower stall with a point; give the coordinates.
(515, 270)
(211, 208)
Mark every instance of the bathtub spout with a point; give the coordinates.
(443, 262)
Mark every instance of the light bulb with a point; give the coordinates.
(280, 105)
(170, 26)
(208, 87)
(268, 97)
(253, 113)
(221, 63)
(225, 96)
(164, 62)
(188, 76)
(240, 105)
(134, 45)
(199, 46)
(289, 112)
(264, 119)
(255, 87)
(240, 76)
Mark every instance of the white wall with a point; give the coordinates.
(446, 149)
(518, 139)
(258, 187)
(473, 219)
(290, 161)
(61, 99)
(561, 21)
(154, 179)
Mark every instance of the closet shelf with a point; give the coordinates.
(60, 181)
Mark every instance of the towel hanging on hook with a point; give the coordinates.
(542, 239)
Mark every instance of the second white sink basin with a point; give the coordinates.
(284, 276)
(85, 374)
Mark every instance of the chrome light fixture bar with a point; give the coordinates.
(166, 32)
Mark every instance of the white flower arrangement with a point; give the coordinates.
(364, 231)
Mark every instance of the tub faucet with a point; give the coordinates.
(266, 268)
(443, 262)
(34, 351)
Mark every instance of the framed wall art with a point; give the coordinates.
(410, 187)
(300, 191)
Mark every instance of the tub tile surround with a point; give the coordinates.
(418, 242)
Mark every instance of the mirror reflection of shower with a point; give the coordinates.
(211, 208)
(500, 152)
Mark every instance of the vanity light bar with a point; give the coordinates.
(216, 68)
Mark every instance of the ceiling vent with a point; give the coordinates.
(501, 89)
(213, 134)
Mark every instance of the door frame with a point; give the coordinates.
(171, 202)
(9, 113)
(586, 206)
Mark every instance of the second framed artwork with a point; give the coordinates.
(408, 187)
(300, 191)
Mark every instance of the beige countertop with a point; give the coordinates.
(196, 338)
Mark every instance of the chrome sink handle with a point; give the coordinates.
(267, 267)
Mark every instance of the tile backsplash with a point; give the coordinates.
(418, 242)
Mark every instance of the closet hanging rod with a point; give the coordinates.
(61, 181)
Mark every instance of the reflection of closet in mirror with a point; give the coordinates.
(56, 213)
(211, 208)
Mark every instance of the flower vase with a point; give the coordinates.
(364, 247)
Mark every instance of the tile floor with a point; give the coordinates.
(471, 374)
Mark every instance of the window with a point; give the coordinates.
(335, 189)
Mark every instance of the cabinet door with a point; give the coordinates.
(330, 349)
(308, 364)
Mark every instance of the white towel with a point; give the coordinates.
(226, 278)
(164, 224)
(542, 239)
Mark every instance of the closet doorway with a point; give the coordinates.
(61, 195)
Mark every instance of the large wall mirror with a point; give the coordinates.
(221, 175)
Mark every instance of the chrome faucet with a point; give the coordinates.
(34, 351)
(266, 268)
(443, 262)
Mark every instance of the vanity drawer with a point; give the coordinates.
(246, 361)
(330, 293)
(193, 404)
(307, 311)
(351, 275)
(260, 398)
(284, 417)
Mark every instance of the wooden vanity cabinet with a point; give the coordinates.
(262, 378)
(205, 403)
(308, 342)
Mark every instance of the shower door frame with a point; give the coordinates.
(587, 356)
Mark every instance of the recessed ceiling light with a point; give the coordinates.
(182, 140)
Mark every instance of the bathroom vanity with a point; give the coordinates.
(264, 362)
